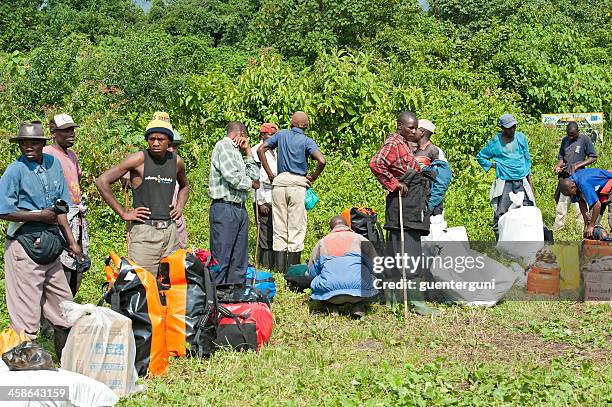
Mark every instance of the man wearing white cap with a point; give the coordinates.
(62, 128)
(508, 153)
(426, 152)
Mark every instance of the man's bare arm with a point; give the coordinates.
(62, 221)
(320, 159)
(261, 153)
(585, 212)
(582, 164)
(45, 216)
(104, 181)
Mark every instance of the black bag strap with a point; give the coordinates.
(208, 320)
(104, 291)
(380, 231)
(370, 229)
(115, 301)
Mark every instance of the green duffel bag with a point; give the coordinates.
(297, 277)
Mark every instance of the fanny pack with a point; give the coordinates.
(42, 242)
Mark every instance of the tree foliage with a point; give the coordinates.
(351, 65)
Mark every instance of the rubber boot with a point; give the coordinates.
(60, 336)
(280, 258)
(293, 258)
(416, 299)
(266, 258)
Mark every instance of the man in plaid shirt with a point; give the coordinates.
(399, 172)
(231, 178)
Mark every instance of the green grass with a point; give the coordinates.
(518, 353)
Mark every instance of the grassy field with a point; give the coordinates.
(518, 353)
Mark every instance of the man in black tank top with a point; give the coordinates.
(154, 172)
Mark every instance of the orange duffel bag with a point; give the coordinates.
(191, 300)
(134, 293)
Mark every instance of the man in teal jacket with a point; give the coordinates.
(508, 153)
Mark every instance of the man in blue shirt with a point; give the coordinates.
(289, 188)
(508, 153)
(30, 187)
(592, 189)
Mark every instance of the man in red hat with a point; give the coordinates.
(262, 199)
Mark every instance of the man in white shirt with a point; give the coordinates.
(262, 199)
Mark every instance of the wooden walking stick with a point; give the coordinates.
(401, 216)
(126, 196)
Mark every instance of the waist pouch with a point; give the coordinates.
(43, 243)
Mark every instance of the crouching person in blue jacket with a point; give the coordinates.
(341, 267)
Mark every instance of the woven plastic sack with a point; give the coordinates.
(101, 346)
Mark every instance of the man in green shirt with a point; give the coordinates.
(231, 178)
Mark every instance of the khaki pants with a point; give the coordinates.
(32, 288)
(562, 209)
(289, 216)
(149, 245)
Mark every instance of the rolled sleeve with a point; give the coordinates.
(9, 185)
(311, 146)
(589, 148)
(272, 142)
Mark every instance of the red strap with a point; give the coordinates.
(605, 191)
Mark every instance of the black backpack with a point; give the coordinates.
(364, 221)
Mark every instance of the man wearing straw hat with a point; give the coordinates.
(154, 172)
(33, 187)
(399, 172)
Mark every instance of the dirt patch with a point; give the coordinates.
(481, 346)
(368, 345)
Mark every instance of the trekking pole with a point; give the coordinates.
(256, 207)
(401, 216)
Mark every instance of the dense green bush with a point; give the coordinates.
(352, 66)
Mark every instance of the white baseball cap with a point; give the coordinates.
(427, 125)
(63, 121)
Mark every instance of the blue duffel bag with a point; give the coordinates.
(264, 282)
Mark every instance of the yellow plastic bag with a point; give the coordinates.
(9, 339)
(569, 261)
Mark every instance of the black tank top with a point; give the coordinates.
(158, 184)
